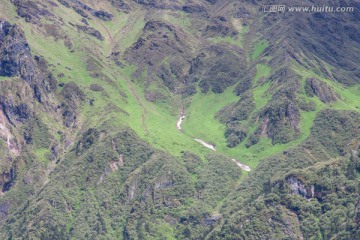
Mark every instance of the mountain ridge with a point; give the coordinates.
(91, 92)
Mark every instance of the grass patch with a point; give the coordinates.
(233, 41)
(126, 29)
(179, 18)
(71, 64)
(201, 122)
(262, 70)
(260, 97)
(42, 155)
(259, 92)
(350, 96)
(258, 49)
(160, 123)
(4, 78)
(165, 230)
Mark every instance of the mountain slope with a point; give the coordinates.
(91, 93)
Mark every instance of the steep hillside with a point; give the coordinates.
(203, 119)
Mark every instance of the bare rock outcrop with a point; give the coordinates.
(298, 187)
(320, 89)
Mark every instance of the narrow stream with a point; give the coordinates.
(205, 144)
(242, 166)
(178, 124)
(212, 147)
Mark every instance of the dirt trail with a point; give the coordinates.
(133, 92)
(143, 109)
(110, 37)
(125, 29)
(133, 19)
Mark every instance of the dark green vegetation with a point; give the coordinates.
(90, 93)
